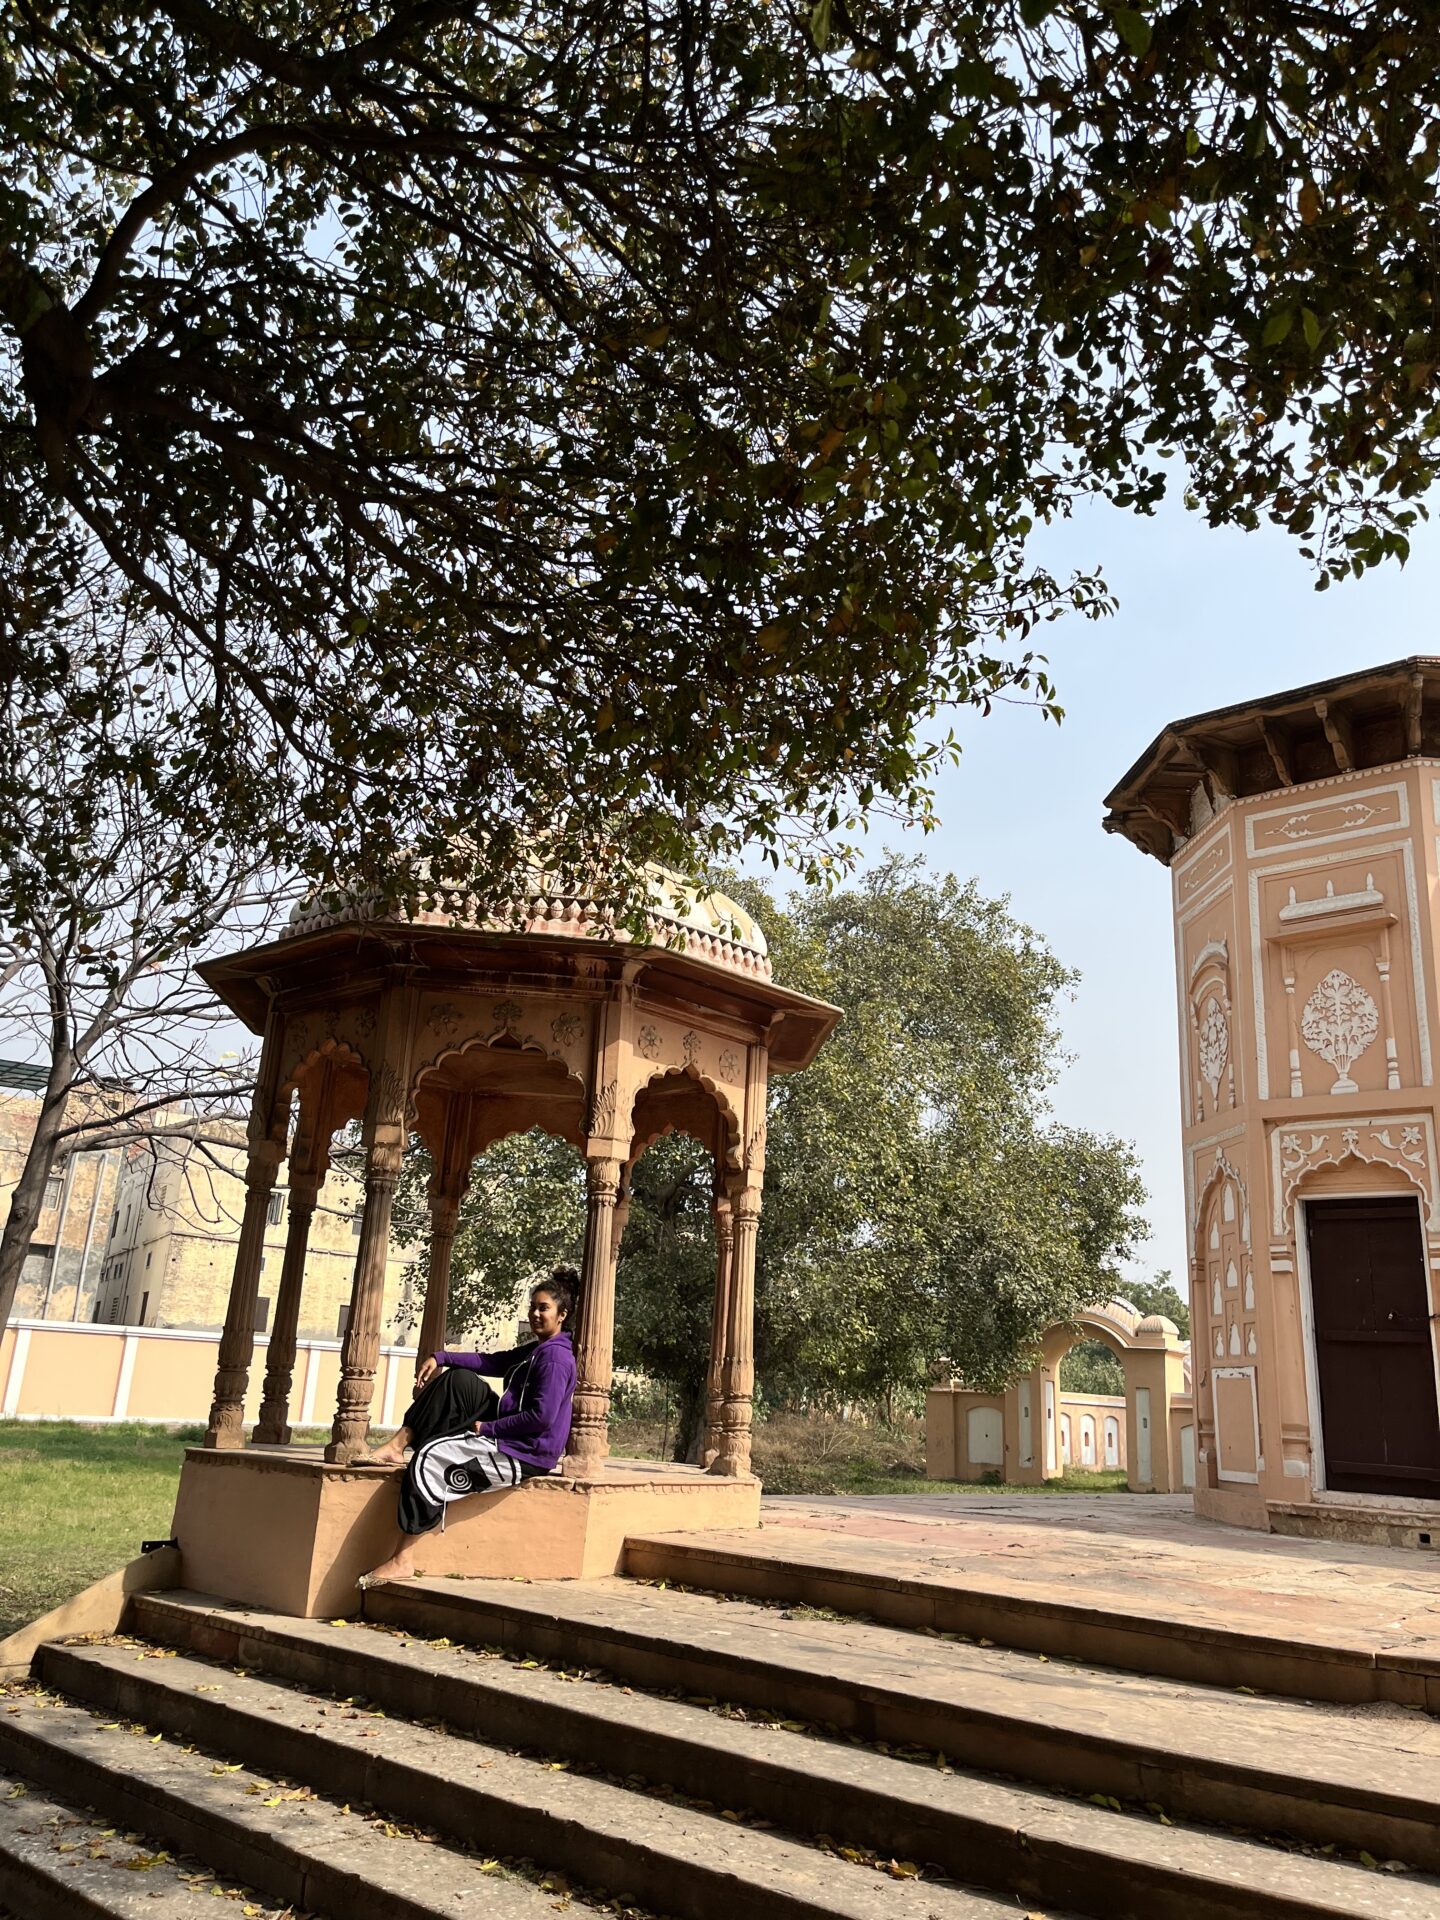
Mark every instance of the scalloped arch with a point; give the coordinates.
(689, 1071)
(502, 1041)
(1295, 1177)
(329, 1049)
(1224, 1169)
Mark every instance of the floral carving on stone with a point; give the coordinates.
(647, 1043)
(730, 1064)
(1399, 1143)
(690, 1047)
(445, 1019)
(1214, 1031)
(566, 1029)
(1301, 825)
(1339, 1022)
(602, 1109)
(508, 1015)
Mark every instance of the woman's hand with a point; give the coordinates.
(426, 1371)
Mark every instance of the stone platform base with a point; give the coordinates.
(1377, 1526)
(276, 1527)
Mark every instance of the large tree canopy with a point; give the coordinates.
(634, 418)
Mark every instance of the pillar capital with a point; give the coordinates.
(602, 1181)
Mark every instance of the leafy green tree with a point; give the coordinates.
(524, 1213)
(634, 419)
(919, 1203)
(665, 1283)
(1090, 1367)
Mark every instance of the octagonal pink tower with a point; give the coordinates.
(1302, 834)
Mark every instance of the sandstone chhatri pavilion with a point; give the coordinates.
(463, 1025)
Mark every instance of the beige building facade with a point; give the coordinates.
(62, 1271)
(170, 1246)
(1302, 835)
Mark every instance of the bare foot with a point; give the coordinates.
(400, 1566)
(387, 1456)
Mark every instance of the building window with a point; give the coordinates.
(144, 1309)
(357, 1220)
(262, 1313)
(148, 1258)
(342, 1321)
(275, 1212)
(54, 1187)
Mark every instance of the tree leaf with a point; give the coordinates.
(1277, 327)
(1134, 30)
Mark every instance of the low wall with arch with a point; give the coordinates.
(1034, 1429)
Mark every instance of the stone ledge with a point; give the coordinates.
(1377, 1526)
(279, 1528)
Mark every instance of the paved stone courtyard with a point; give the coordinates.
(1147, 1554)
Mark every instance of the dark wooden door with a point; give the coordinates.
(1373, 1346)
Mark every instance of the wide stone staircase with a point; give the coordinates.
(707, 1741)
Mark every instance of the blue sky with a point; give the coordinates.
(1206, 618)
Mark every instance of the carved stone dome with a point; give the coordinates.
(678, 914)
(1157, 1323)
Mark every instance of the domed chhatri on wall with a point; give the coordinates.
(465, 1023)
(1302, 834)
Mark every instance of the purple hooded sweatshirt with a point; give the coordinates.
(533, 1423)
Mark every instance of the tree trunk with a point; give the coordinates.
(689, 1425)
(28, 1199)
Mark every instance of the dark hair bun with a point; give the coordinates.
(563, 1286)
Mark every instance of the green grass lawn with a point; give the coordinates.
(75, 1503)
(76, 1500)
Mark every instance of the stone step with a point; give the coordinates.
(1356, 1777)
(58, 1862)
(669, 1857)
(310, 1855)
(1051, 1850)
(801, 1566)
(1371, 1526)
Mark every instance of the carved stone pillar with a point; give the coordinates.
(384, 1138)
(719, 1325)
(435, 1320)
(594, 1357)
(273, 1426)
(621, 1218)
(732, 1457)
(226, 1428)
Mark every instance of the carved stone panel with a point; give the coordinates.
(1402, 1142)
(1339, 1023)
(1327, 819)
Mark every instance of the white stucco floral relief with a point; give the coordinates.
(1339, 1022)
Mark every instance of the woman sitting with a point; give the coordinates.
(466, 1439)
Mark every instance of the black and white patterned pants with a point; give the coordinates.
(448, 1469)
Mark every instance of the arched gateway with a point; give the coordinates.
(1033, 1430)
(464, 1028)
